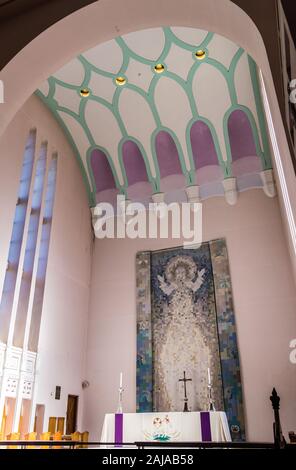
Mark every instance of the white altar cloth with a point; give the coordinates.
(166, 427)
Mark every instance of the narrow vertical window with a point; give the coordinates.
(43, 256)
(17, 237)
(31, 244)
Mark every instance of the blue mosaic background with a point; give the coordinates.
(229, 354)
(144, 334)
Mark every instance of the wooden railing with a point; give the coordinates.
(25, 444)
(207, 445)
(66, 444)
(73, 445)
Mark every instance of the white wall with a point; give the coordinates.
(265, 306)
(65, 312)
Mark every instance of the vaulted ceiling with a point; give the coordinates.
(160, 110)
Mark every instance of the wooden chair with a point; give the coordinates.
(57, 437)
(76, 436)
(84, 437)
(3, 424)
(13, 436)
(52, 424)
(30, 436)
(2, 438)
(61, 424)
(45, 436)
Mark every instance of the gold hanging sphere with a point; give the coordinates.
(120, 81)
(200, 54)
(84, 92)
(159, 68)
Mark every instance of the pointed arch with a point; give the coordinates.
(101, 170)
(241, 138)
(202, 145)
(167, 154)
(133, 162)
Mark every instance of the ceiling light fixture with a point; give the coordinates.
(84, 92)
(120, 81)
(200, 54)
(159, 68)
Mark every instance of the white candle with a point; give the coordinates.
(120, 380)
(209, 376)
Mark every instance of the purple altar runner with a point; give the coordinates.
(205, 426)
(118, 435)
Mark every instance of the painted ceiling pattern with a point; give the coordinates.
(159, 110)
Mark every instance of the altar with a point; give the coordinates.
(204, 426)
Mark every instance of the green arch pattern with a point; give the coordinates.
(149, 96)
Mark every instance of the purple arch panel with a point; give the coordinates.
(240, 135)
(133, 162)
(167, 155)
(202, 144)
(102, 172)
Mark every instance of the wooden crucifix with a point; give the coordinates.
(185, 391)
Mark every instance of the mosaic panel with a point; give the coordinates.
(204, 296)
(144, 334)
(229, 355)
